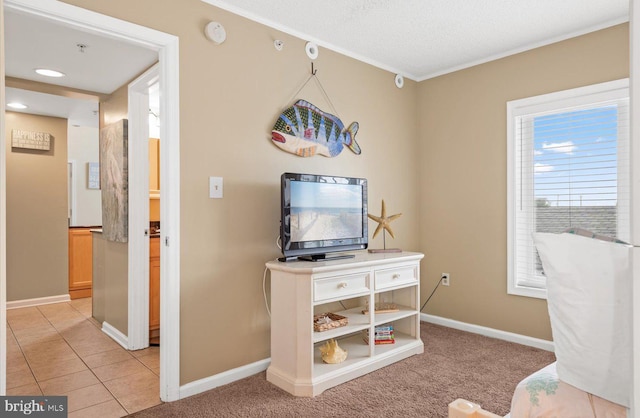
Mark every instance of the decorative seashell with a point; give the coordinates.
(332, 353)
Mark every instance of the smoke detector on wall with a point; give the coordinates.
(399, 81)
(215, 32)
(312, 50)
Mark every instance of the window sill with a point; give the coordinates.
(531, 292)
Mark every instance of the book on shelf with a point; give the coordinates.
(383, 328)
(379, 342)
(382, 335)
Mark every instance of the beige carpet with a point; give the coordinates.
(455, 364)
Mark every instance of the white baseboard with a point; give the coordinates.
(489, 332)
(115, 335)
(211, 382)
(208, 383)
(25, 303)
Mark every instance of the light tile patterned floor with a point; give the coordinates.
(59, 349)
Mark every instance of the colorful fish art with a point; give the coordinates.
(305, 130)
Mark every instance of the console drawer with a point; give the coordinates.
(340, 287)
(395, 277)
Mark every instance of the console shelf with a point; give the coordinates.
(300, 288)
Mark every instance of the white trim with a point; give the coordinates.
(301, 35)
(170, 221)
(3, 220)
(525, 48)
(92, 22)
(228, 6)
(521, 290)
(229, 376)
(115, 334)
(138, 297)
(169, 61)
(72, 170)
(634, 34)
(593, 93)
(565, 99)
(489, 332)
(47, 300)
(211, 382)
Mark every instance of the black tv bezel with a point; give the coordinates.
(317, 249)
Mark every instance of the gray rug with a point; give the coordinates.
(455, 364)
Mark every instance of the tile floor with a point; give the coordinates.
(59, 349)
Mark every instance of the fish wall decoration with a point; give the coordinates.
(305, 130)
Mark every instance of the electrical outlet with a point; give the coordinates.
(445, 279)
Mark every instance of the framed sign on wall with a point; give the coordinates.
(93, 175)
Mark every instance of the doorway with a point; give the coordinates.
(167, 48)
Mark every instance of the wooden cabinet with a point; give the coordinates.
(299, 290)
(154, 165)
(154, 290)
(80, 262)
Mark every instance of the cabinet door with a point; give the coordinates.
(80, 263)
(154, 284)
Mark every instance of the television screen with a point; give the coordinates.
(325, 211)
(322, 214)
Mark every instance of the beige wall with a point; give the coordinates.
(230, 97)
(112, 258)
(445, 173)
(82, 147)
(110, 288)
(463, 166)
(37, 233)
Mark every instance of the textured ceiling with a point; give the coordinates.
(420, 39)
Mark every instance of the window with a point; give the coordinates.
(568, 166)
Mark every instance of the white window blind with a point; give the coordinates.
(568, 168)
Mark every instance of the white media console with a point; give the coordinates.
(344, 287)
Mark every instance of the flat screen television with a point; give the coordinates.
(322, 214)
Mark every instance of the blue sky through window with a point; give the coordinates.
(576, 157)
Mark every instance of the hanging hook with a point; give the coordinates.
(313, 72)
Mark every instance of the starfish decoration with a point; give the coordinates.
(384, 221)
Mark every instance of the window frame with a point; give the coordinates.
(558, 101)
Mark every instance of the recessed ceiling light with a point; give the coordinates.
(49, 73)
(16, 105)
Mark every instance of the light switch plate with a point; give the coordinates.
(215, 187)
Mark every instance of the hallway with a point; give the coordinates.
(59, 349)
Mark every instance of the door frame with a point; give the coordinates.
(634, 88)
(138, 300)
(71, 191)
(167, 47)
(3, 222)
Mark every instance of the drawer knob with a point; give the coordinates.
(395, 276)
(342, 285)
